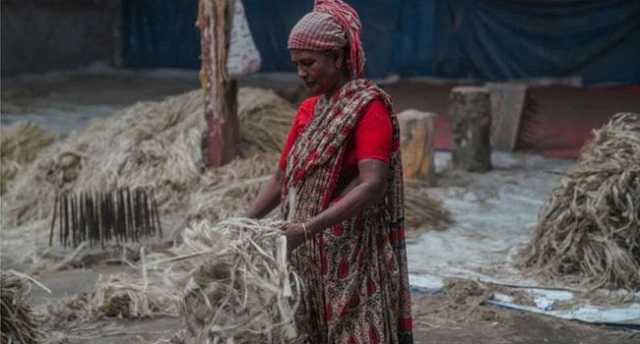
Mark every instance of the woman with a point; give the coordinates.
(339, 182)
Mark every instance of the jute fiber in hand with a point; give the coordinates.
(233, 283)
(589, 229)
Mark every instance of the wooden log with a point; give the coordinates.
(222, 140)
(507, 106)
(417, 142)
(470, 113)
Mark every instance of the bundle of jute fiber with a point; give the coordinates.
(589, 229)
(20, 144)
(234, 282)
(18, 325)
(153, 145)
(112, 296)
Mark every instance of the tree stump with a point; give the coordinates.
(417, 145)
(470, 113)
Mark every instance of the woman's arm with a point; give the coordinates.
(268, 198)
(370, 189)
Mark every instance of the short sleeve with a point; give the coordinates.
(303, 116)
(373, 133)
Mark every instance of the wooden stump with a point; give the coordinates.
(417, 144)
(470, 113)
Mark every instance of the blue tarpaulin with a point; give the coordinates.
(159, 33)
(597, 40)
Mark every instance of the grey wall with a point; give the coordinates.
(44, 35)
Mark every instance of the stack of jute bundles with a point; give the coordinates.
(589, 229)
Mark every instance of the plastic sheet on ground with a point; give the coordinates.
(495, 214)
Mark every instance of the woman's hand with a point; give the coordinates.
(295, 234)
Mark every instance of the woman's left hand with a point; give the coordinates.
(295, 235)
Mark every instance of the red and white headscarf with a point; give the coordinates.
(332, 24)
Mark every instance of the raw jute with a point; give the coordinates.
(230, 282)
(151, 144)
(589, 229)
(233, 283)
(17, 321)
(20, 144)
(123, 296)
(422, 211)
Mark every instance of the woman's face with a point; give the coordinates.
(320, 70)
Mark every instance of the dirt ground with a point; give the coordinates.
(68, 102)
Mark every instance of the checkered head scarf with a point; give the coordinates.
(332, 24)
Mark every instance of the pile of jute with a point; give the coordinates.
(122, 296)
(18, 324)
(589, 229)
(20, 144)
(154, 145)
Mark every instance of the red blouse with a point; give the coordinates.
(371, 137)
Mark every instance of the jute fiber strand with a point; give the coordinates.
(20, 144)
(18, 324)
(233, 282)
(151, 144)
(121, 296)
(589, 229)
